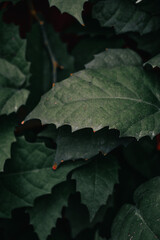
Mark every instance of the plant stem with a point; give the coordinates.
(46, 42)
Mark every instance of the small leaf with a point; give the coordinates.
(28, 175)
(154, 62)
(140, 222)
(124, 98)
(125, 16)
(47, 209)
(95, 182)
(6, 138)
(73, 7)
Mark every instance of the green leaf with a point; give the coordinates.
(73, 7)
(14, 69)
(125, 98)
(6, 138)
(115, 57)
(154, 62)
(85, 143)
(95, 181)
(47, 209)
(140, 222)
(125, 16)
(28, 175)
(41, 64)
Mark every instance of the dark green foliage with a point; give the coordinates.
(79, 120)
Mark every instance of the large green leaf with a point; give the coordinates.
(41, 63)
(95, 181)
(6, 138)
(154, 62)
(48, 208)
(28, 175)
(140, 222)
(115, 57)
(14, 69)
(125, 98)
(125, 16)
(73, 7)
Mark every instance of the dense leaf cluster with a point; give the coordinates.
(79, 120)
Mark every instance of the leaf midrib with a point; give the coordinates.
(119, 98)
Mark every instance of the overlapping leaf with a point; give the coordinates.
(48, 208)
(85, 143)
(125, 98)
(125, 16)
(140, 222)
(28, 174)
(95, 182)
(14, 69)
(7, 126)
(73, 7)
